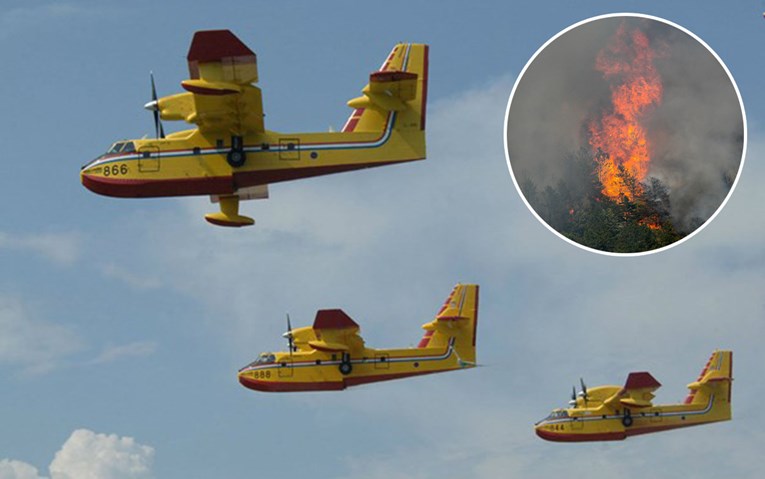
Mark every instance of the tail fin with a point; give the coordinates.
(458, 319)
(400, 86)
(715, 381)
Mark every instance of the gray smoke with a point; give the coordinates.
(696, 133)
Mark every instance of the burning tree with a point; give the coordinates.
(607, 201)
(619, 136)
(638, 219)
(603, 92)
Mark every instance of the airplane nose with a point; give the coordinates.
(540, 432)
(104, 186)
(87, 180)
(152, 105)
(247, 382)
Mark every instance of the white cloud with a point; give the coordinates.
(130, 350)
(61, 248)
(11, 469)
(37, 346)
(90, 455)
(132, 279)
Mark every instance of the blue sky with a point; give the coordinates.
(123, 322)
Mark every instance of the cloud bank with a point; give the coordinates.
(90, 455)
(35, 345)
(61, 248)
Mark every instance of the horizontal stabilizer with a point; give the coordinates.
(385, 78)
(387, 95)
(449, 317)
(718, 368)
(455, 324)
(453, 309)
(401, 85)
(388, 90)
(715, 380)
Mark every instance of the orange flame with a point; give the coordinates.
(619, 137)
(652, 222)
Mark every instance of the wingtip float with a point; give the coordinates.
(230, 156)
(611, 413)
(331, 355)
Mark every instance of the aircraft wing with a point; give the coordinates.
(335, 332)
(221, 96)
(636, 393)
(327, 346)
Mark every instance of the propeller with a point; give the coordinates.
(288, 335)
(153, 105)
(572, 402)
(584, 391)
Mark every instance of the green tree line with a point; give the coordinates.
(577, 208)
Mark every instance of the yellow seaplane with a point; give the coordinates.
(331, 355)
(612, 413)
(231, 156)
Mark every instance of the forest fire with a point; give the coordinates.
(625, 134)
(619, 136)
(652, 223)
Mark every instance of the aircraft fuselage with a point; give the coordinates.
(322, 371)
(590, 424)
(190, 163)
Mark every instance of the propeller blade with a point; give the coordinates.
(154, 106)
(289, 335)
(161, 130)
(584, 390)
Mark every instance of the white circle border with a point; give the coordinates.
(743, 151)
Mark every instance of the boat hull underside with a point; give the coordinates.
(291, 386)
(216, 185)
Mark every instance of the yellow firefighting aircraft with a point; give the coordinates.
(330, 355)
(231, 156)
(610, 413)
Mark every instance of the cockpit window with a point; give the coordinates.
(116, 148)
(557, 414)
(121, 147)
(264, 358)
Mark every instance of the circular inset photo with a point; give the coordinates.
(625, 134)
